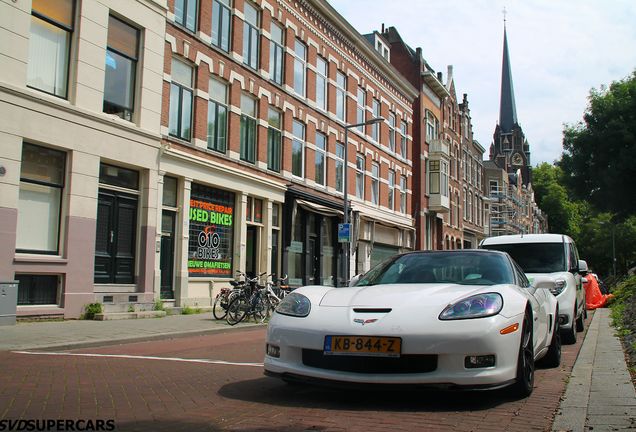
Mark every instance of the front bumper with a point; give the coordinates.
(457, 340)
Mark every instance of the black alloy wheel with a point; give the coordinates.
(525, 363)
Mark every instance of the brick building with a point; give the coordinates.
(256, 97)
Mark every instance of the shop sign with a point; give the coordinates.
(344, 233)
(210, 246)
(295, 247)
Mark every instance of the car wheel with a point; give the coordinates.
(525, 362)
(553, 358)
(580, 322)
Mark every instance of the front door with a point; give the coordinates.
(115, 238)
(251, 248)
(166, 261)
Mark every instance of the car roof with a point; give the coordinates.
(527, 238)
(465, 251)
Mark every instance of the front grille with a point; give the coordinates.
(407, 363)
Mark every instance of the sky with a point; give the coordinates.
(559, 50)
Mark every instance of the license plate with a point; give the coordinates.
(379, 346)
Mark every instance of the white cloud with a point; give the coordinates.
(559, 50)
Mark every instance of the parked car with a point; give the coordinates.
(462, 318)
(553, 255)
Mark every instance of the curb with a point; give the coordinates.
(135, 339)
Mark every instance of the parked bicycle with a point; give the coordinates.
(251, 300)
(226, 295)
(275, 291)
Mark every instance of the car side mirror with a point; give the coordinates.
(354, 280)
(544, 282)
(583, 269)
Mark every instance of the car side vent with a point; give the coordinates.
(372, 310)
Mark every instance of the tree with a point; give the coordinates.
(599, 158)
(553, 198)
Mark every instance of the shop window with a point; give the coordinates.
(217, 116)
(121, 68)
(221, 22)
(50, 45)
(211, 232)
(37, 289)
(40, 199)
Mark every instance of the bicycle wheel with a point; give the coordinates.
(261, 309)
(237, 310)
(218, 310)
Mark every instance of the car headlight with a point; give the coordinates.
(294, 304)
(477, 306)
(559, 286)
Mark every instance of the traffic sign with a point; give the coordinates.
(344, 233)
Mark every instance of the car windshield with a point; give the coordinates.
(466, 268)
(535, 257)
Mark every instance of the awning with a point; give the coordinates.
(320, 209)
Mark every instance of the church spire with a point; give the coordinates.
(507, 109)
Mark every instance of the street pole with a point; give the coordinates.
(345, 217)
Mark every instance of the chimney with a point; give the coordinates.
(439, 77)
(450, 72)
(382, 28)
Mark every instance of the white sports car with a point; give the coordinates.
(463, 318)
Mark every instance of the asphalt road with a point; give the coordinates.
(216, 382)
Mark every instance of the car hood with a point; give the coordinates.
(400, 295)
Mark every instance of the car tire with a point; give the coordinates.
(553, 358)
(525, 361)
(580, 322)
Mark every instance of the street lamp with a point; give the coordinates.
(346, 195)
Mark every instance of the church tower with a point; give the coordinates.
(510, 149)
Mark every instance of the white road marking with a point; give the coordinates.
(125, 356)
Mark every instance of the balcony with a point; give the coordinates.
(438, 149)
(438, 203)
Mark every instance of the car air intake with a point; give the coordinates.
(405, 364)
(372, 310)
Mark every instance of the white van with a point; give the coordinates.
(554, 255)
